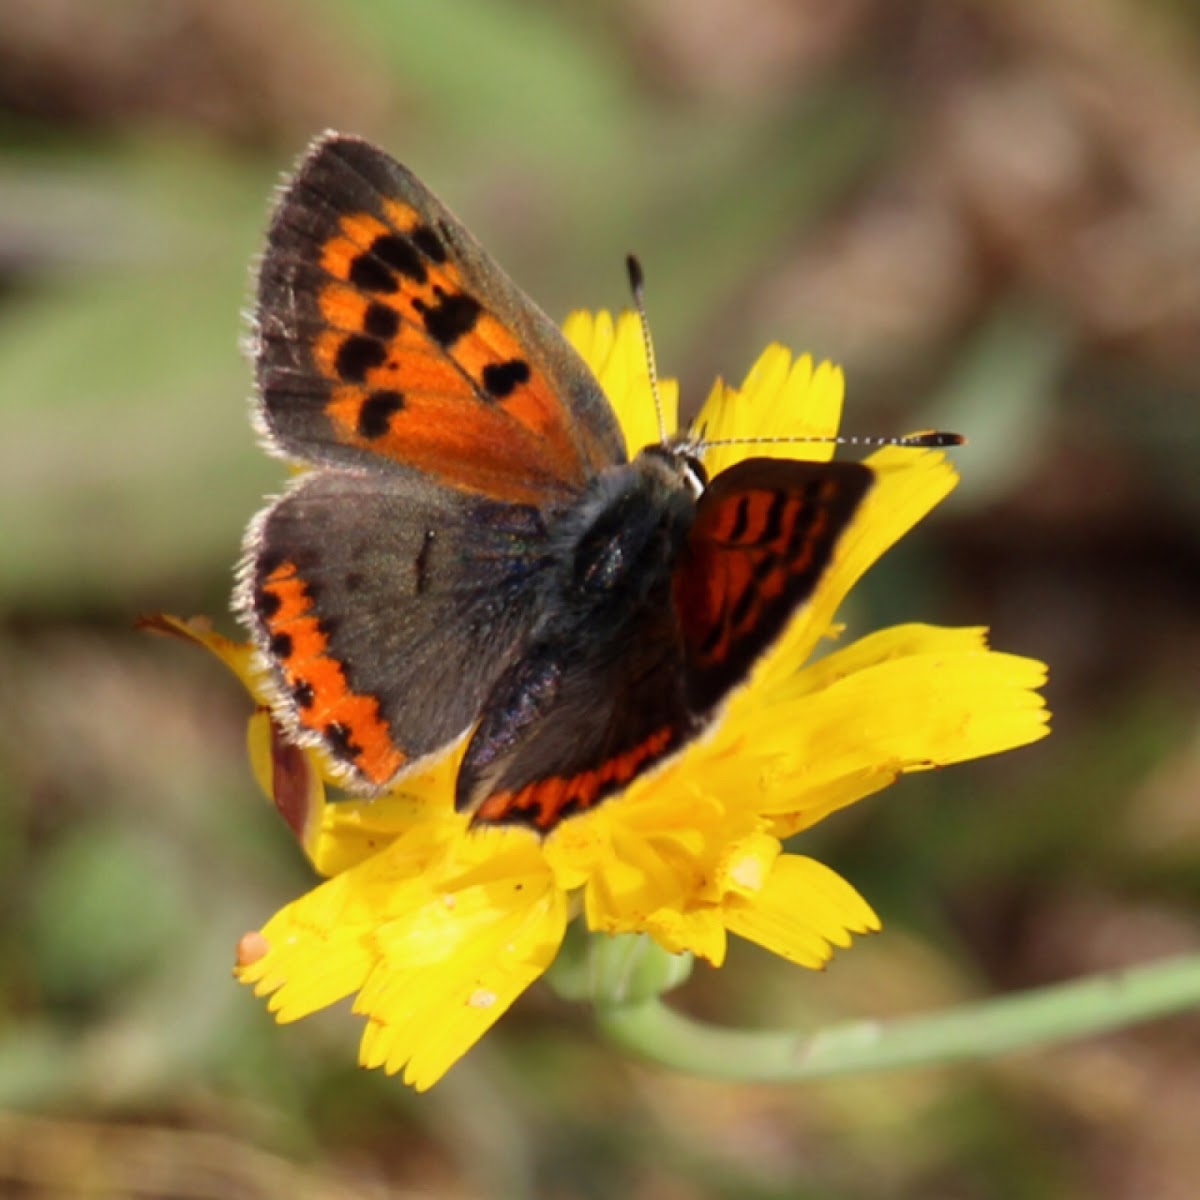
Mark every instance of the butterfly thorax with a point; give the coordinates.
(629, 527)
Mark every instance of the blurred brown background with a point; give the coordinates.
(988, 211)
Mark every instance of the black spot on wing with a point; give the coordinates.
(340, 740)
(429, 244)
(368, 273)
(401, 255)
(774, 522)
(741, 519)
(281, 645)
(744, 605)
(374, 418)
(803, 522)
(357, 355)
(381, 321)
(267, 604)
(713, 637)
(764, 566)
(501, 379)
(421, 565)
(454, 315)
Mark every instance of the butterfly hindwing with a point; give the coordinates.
(765, 532)
(384, 331)
(387, 608)
(596, 699)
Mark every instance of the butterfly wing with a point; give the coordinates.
(387, 608)
(597, 698)
(385, 333)
(764, 534)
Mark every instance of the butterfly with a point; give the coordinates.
(469, 552)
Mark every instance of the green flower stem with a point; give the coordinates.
(977, 1030)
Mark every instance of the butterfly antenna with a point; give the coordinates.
(923, 439)
(637, 284)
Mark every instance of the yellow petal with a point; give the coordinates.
(259, 738)
(314, 957)
(903, 699)
(698, 931)
(240, 657)
(355, 829)
(779, 399)
(439, 926)
(802, 912)
(423, 1019)
(616, 353)
(743, 870)
(592, 335)
(437, 936)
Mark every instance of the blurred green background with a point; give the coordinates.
(988, 211)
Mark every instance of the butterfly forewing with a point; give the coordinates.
(385, 332)
(764, 534)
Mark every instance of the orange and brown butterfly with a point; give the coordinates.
(471, 553)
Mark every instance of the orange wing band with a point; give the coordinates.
(545, 802)
(349, 722)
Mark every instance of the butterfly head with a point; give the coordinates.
(680, 459)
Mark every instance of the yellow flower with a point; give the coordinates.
(436, 928)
